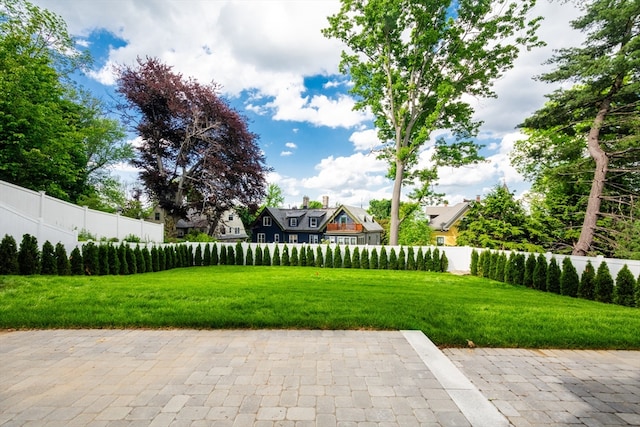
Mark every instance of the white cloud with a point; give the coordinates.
(365, 140)
(291, 145)
(286, 153)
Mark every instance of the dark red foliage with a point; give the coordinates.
(196, 152)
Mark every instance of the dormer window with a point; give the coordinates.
(266, 221)
(293, 222)
(313, 222)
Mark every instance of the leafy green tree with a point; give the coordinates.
(162, 259)
(223, 255)
(435, 260)
(586, 289)
(146, 256)
(603, 284)
(131, 260)
(623, 293)
(122, 260)
(411, 63)
(414, 229)
(599, 115)
(28, 255)
(569, 280)
(274, 197)
(8, 256)
(553, 276)
(141, 267)
(501, 268)
(510, 269)
(302, 259)
(49, 265)
(484, 263)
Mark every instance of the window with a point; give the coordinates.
(231, 230)
(223, 230)
(293, 222)
(230, 217)
(261, 238)
(440, 240)
(237, 230)
(293, 238)
(276, 238)
(313, 238)
(157, 216)
(313, 222)
(266, 221)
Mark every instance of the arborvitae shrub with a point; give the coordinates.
(427, 260)
(501, 267)
(393, 260)
(328, 257)
(509, 269)
(140, 264)
(28, 256)
(231, 255)
(482, 261)
(285, 260)
(168, 257)
(638, 292)
(493, 269)
(374, 260)
(444, 263)
(364, 259)
(155, 266)
(8, 256)
(319, 258)
(302, 259)
(553, 277)
(91, 258)
(197, 256)
(266, 256)
(206, 255)
(346, 257)
(411, 259)
(259, 260)
(603, 285)
(521, 260)
(435, 260)
(540, 273)
(239, 254)
(474, 263)
(276, 256)
(383, 262)
(162, 259)
(310, 261)
(49, 265)
(190, 256)
(63, 267)
(249, 258)
(146, 255)
(215, 256)
(103, 259)
(337, 257)
(223, 255)
(529, 266)
(402, 259)
(623, 293)
(131, 260)
(355, 258)
(420, 260)
(293, 260)
(122, 260)
(114, 260)
(76, 264)
(569, 280)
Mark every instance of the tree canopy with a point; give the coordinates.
(412, 62)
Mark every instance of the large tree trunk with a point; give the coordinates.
(394, 226)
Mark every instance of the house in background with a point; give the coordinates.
(342, 225)
(229, 229)
(444, 220)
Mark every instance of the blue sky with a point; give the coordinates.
(277, 69)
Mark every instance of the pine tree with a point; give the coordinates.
(509, 271)
(276, 256)
(215, 257)
(521, 260)
(310, 261)
(239, 254)
(383, 262)
(474, 263)
(529, 266)
(223, 255)
(28, 256)
(501, 267)
(540, 273)
(293, 261)
(319, 258)
(206, 256)
(569, 280)
(131, 260)
(231, 255)
(259, 260)
(483, 263)
(114, 260)
(393, 260)
(162, 259)
(553, 277)
(190, 256)
(103, 259)
(8, 256)
(355, 258)
(146, 255)
(364, 259)
(266, 256)
(49, 265)
(411, 260)
(444, 262)
(603, 284)
(122, 259)
(623, 293)
(62, 260)
(495, 266)
(302, 259)
(420, 260)
(140, 265)
(328, 257)
(91, 259)
(427, 260)
(75, 261)
(197, 257)
(249, 259)
(155, 266)
(402, 259)
(435, 260)
(374, 261)
(337, 257)
(285, 256)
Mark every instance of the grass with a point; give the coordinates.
(449, 309)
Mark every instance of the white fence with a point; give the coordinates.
(57, 214)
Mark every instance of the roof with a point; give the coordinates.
(324, 215)
(361, 216)
(444, 217)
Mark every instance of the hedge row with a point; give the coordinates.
(107, 258)
(537, 273)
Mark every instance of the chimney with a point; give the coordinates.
(305, 202)
(478, 198)
(325, 202)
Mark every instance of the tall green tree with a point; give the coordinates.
(411, 63)
(599, 116)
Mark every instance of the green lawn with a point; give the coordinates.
(449, 309)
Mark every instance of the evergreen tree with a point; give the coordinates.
(231, 255)
(249, 259)
(131, 260)
(206, 256)
(239, 254)
(355, 258)
(346, 257)
(402, 259)
(259, 260)
(411, 260)
(162, 259)
(319, 258)
(302, 260)
(501, 267)
(529, 267)
(569, 280)
(103, 259)
(420, 260)
(444, 262)
(328, 257)
(75, 261)
(223, 255)
(140, 265)
(285, 256)
(427, 260)
(383, 262)
(49, 266)
(435, 260)
(276, 256)
(293, 261)
(553, 277)
(337, 257)
(8, 256)
(114, 260)
(374, 261)
(638, 292)
(364, 259)
(155, 265)
(122, 259)
(623, 293)
(62, 260)
(493, 270)
(540, 273)
(190, 261)
(509, 271)
(28, 256)
(197, 257)
(474, 262)
(90, 255)
(215, 258)
(146, 255)
(393, 259)
(310, 262)
(603, 284)
(266, 256)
